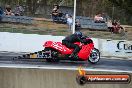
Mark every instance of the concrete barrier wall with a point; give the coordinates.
(17, 42)
(42, 78)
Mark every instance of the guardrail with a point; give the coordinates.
(87, 22)
(17, 19)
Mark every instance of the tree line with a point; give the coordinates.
(32, 5)
(115, 9)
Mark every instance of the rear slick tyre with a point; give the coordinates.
(54, 55)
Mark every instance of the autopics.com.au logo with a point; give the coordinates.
(83, 78)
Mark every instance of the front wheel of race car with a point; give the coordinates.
(94, 56)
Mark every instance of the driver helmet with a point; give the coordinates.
(78, 33)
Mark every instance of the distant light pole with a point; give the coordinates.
(113, 8)
(18, 2)
(74, 17)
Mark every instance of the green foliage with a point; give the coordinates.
(124, 4)
(31, 5)
(115, 9)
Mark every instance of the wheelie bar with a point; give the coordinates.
(36, 55)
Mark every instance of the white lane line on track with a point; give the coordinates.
(58, 68)
(116, 58)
